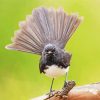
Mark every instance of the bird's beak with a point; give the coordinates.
(49, 52)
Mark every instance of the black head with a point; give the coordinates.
(54, 55)
(50, 50)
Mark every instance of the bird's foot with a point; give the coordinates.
(57, 94)
(51, 93)
(65, 82)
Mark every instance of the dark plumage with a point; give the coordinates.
(52, 55)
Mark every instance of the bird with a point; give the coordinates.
(46, 32)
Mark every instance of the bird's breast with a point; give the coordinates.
(54, 71)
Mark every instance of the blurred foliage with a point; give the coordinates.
(19, 73)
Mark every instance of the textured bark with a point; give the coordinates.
(86, 92)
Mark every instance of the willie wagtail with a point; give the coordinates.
(46, 33)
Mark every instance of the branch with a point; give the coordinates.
(86, 92)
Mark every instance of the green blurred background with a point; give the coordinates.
(19, 73)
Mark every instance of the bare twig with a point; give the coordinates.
(58, 94)
(86, 92)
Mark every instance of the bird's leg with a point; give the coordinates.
(50, 93)
(51, 85)
(66, 79)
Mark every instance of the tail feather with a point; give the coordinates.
(72, 22)
(42, 27)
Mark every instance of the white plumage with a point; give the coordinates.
(55, 71)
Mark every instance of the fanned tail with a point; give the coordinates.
(42, 27)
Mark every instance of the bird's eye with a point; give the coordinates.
(46, 50)
(53, 50)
